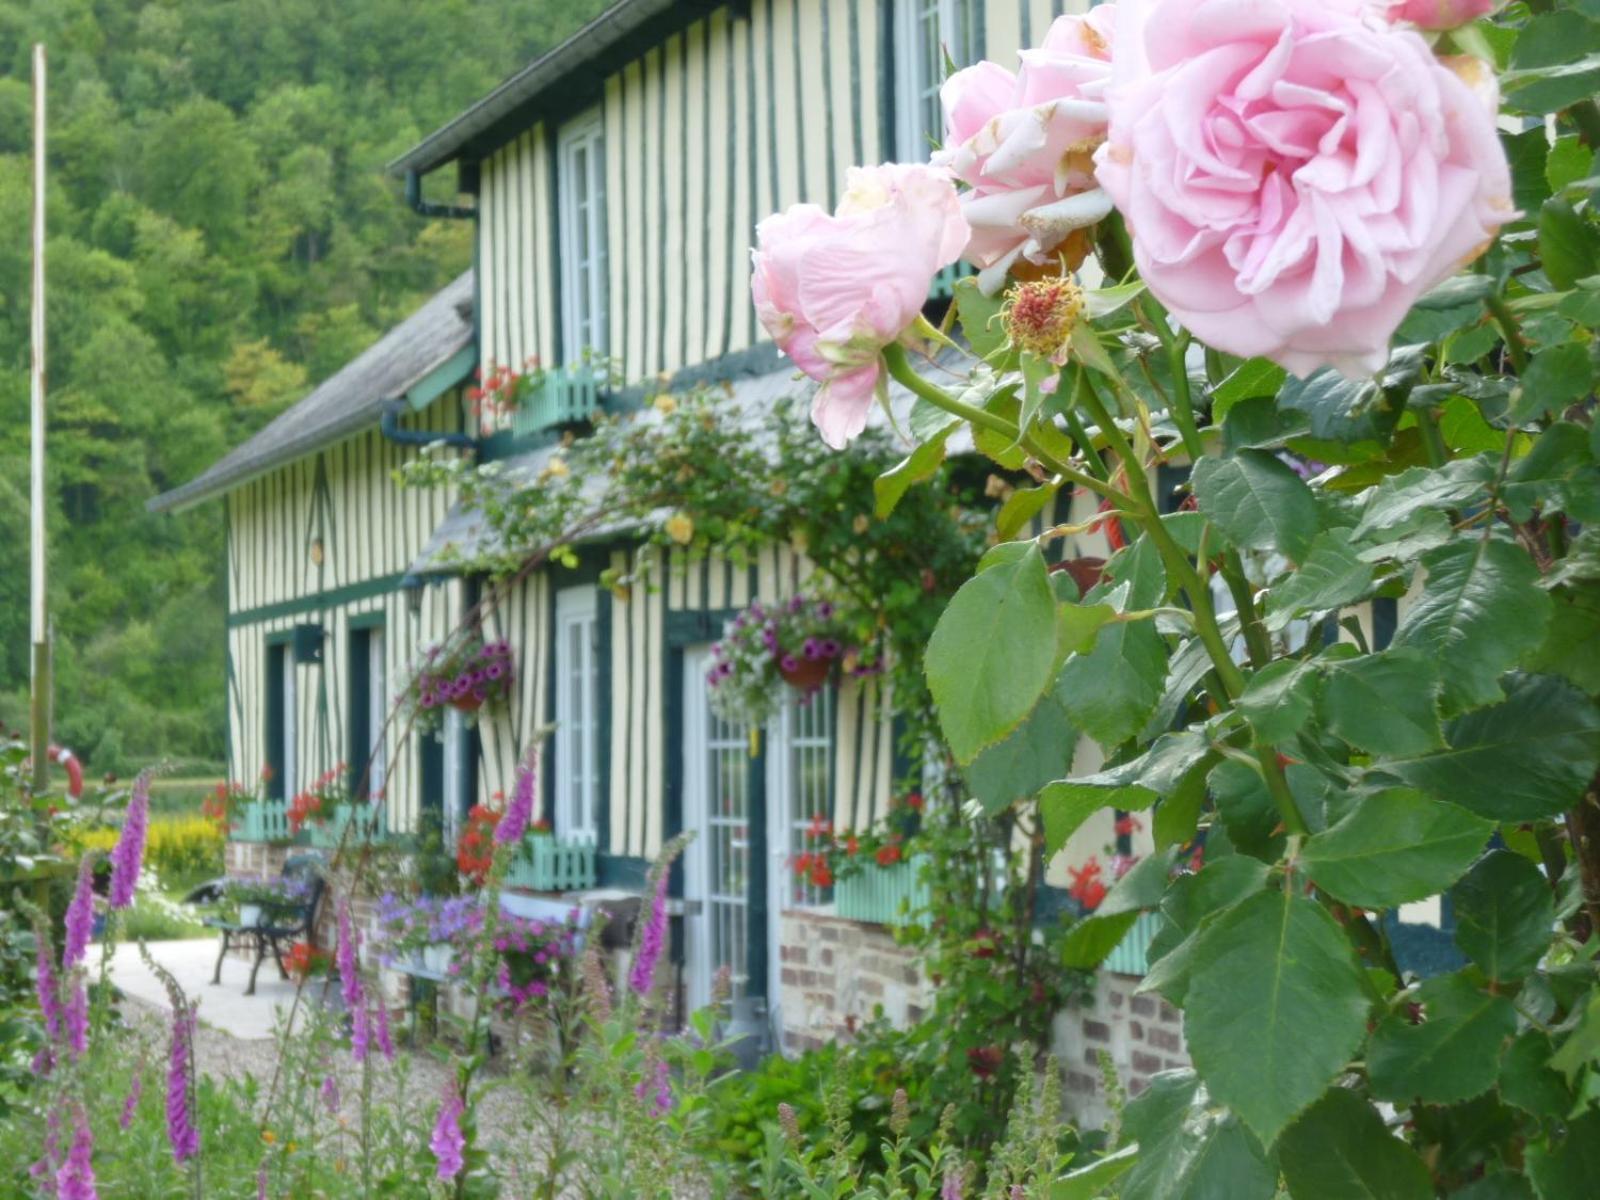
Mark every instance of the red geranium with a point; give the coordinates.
(475, 847)
(888, 854)
(1087, 888)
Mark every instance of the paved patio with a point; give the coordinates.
(224, 1007)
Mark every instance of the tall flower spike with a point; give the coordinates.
(181, 1130)
(75, 1014)
(128, 854)
(80, 914)
(75, 1179)
(45, 982)
(652, 936)
(447, 1142)
(520, 811)
(130, 1103)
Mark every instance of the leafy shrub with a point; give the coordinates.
(183, 849)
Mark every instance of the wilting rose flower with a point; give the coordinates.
(1440, 14)
(834, 289)
(1024, 145)
(1295, 174)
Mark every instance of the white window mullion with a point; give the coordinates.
(583, 232)
(577, 800)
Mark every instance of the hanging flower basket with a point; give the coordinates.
(469, 675)
(798, 643)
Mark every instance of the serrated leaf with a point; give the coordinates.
(1555, 379)
(1395, 847)
(979, 316)
(1190, 903)
(1090, 942)
(1504, 915)
(1139, 566)
(1452, 1055)
(1568, 162)
(1191, 1148)
(1341, 410)
(1092, 1181)
(1480, 610)
(1102, 302)
(1527, 758)
(1572, 646)
(1569, 249)
(1331, 576)
(1279, 699)
(1255, 377)
(1398, 498)
(1265, 965)
(920, 465)
(1258, 502)
(992, 654)
(1341, 1150)
(1386, 703)
(1252, 820)
(1110, 691)
(1067, 803)
(1035, 753)
(1528, 1081)
(1566, 1170)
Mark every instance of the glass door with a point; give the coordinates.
(716, 805)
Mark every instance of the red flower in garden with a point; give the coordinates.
(1087, 888)
(914, 801)
(802, 863)
(821, 872)
(307, 806)
(475, 847)
(852, 844)
(985, 1060)
(819, 828)
(888, 855)
(983, 944)
(1128, 824)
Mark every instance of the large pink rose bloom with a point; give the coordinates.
(1024, 143)
(1295, 174)
(834, 290)
(1440, 14)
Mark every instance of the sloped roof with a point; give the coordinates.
(348, 401)
(464, 535)
(557, 82)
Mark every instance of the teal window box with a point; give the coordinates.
(262, 821)
(547, 864)
(1131, 954)
(894, 895)
(368, 821)
(561, 396)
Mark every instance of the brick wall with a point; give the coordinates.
(1142, 1034)
(833, 972)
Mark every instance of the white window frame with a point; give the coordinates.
(791, 813)
(577, 714)
(919, 67)
(377, 712)
(455, 752)
(291, 724)
(581, 192)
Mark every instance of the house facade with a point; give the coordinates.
(613, 185)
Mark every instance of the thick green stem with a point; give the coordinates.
(1510, 331)
(1177, 348)
(894, 357)
(1255, 634)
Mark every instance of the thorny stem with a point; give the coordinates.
(1177, 347)
(1509, 330)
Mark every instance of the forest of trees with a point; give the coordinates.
(222, 236)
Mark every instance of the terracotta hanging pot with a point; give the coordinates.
(467, 704)
(808, 675)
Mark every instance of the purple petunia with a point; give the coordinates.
(80, 916)
(447, 1142)
(181, 1130)
(789, 663)
(127, 856)
(75, 1179)
(642, 976)
(520, 811)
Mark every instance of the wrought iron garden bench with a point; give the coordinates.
(275, 927)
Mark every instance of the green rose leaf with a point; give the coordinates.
(1111, 691)
(993, 653)
(1280, 698)
(1568, 1170)
(1036, 752)
(1480, 610)
(1192, 904)
(1089, 942)
(1255, 377)
(1400, 498)
(1556, 378)
(1384, 703)
(1529, 757)
(1258, 502)
(1252, 820)
(1092, 1182)
(1260, 970)
(1022, 506)
(1331, 576)
(1529, 1081)
(919, 466)
(1569, 248)
(1191, 1148)
(1572, 647)
(1452, 1055)
(1341, 1149)
(1395, 847)
(1504, 915)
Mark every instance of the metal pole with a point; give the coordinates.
(40, 623)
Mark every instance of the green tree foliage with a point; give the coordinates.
(222, 236)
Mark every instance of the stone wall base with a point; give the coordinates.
(835, 974)
(1142, 1035)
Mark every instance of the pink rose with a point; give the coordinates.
(1440, 14)
(833, 291)
(1294, 175)
(1023, 143)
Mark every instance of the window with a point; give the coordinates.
(925, 31)
(368, 710)
(806, 745)
(582, 191)
(577, 774)
(456, 781)
(281, 720)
